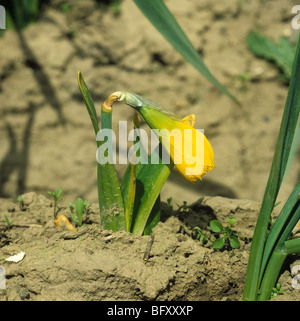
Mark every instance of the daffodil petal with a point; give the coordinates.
(192, 156)
(189, 120)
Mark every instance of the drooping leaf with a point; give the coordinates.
(163, 20)
(282, 53)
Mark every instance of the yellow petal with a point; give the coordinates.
(193, 155)
(190, 120)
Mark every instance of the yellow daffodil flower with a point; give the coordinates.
(188, 148)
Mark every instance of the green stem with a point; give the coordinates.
(278, 247)
(292, 246)
(272, 273)
(149, 185)
(282, 227)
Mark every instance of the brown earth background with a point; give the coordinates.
(47, 140)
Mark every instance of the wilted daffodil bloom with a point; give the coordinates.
(188, 148)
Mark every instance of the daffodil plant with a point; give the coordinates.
(134, 204)
(269, 248)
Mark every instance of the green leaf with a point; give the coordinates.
(130, 198)
(148, 187)
(163, 20)
(216, 226)
(292, 245)
(59, 192)
(79, 207)
(231, 220)
(88, 102)
(8, 222)
(283, 225)
(74, 218)
(153, 218)
(282, 54)
(234, 242)
(219, 243)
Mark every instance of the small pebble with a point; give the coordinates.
(181, 238)
(23, 294)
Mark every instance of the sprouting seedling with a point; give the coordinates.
(78, 210)
(86, 209)
(21, 203)
(228, 238)
(8, 222)
(231, 221)
(183, 208)
(56, 196)
(276, 290)
(169, 202)
(200, 235)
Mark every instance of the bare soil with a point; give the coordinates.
(96, 264)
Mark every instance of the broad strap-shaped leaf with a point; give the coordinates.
(163, 20)
(130, 193)
(149, 183)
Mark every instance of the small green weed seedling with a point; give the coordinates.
(56, 197)
(169, 202)
(276, 290)
(21, 203)
(228, 238)
(78, 210)
(8, 222)
(200, 235)
(183, 208)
